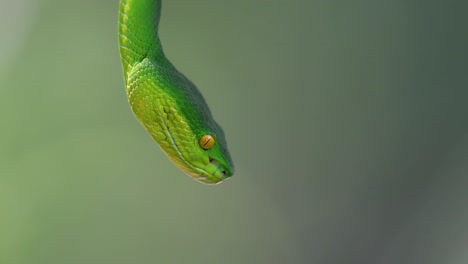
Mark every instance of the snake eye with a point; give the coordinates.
(206, 142)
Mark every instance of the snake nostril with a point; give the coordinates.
(223, 172)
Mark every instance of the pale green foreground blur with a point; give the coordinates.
(347, 122)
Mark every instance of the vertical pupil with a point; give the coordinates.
(207, 141)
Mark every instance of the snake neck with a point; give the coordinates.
(138, 32)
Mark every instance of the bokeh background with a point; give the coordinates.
(346, 120)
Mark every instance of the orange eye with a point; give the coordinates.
(206, 142)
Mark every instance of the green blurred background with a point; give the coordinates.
(346, 120)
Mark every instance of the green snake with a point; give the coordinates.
(164, 101)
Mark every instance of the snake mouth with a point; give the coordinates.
(219, 167)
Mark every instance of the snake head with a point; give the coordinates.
(175, 114)
(208, 161)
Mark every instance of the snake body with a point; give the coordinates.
(165, 102)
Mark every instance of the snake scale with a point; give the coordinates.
(165, 102)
